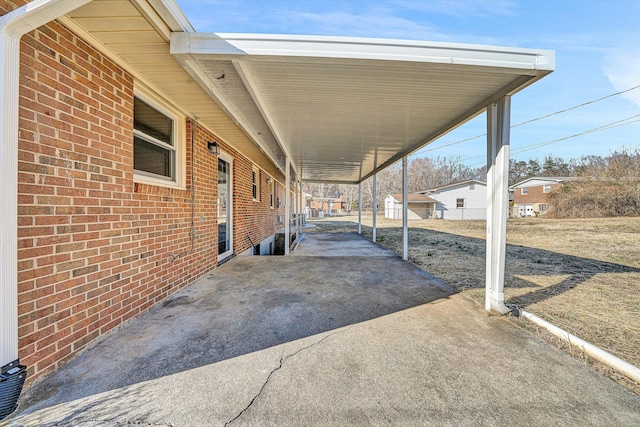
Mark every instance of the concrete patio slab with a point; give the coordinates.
(324, 340)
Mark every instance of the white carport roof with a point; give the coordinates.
(341, 108)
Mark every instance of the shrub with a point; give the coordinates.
(596, 199)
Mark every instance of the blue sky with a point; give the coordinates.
(597, 44)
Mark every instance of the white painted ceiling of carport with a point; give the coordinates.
(344, 108)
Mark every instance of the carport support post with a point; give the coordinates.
(498, 134)
(405, 210)
(359, 208)
(375, 207)
(296, 206)
(287, 207)
(300, 208)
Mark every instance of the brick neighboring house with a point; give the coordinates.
(325, 206)
(530, 195)
(120, 202)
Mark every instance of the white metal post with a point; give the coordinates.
(405, 210)
(375, 203)
(13, 26)
(498, 134)
(287, 207)
(360, 208)
(300, 207)
(296, 203)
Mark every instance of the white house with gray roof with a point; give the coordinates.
(462, 200)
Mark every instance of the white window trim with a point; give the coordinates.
(464, 202)
(255, 170)
(179, 139)
(230, 160)
(524, 191)
(272, 194)
(546, 188)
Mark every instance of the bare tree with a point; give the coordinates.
(349, 195)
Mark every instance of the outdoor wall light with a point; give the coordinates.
(269, 181)
(213, 147)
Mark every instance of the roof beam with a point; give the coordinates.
(253, 89)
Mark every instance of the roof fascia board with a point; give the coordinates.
(154, 18)
(172, 15)
(457, 184)
(287, 46)
(553, 179)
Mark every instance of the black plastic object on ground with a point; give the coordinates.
(12, 377)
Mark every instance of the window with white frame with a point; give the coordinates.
(154, 142)
(542, 208)
(272, 194)
(459, 203)
(546, 188)
(255, 183)
(524, 191)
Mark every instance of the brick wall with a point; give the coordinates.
(253, 220)
(96, 249)
(534, 194)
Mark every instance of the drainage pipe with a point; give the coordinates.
(625, 368)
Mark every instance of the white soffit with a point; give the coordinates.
(345, 108)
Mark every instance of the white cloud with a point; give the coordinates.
(460, 7)
(374, 24)
(622, 68)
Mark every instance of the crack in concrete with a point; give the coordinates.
(282, 360)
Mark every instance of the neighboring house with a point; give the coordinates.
(530, 195)
(463, 200)
(320, 207)
(419, 206)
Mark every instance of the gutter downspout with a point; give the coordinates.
(13, 26)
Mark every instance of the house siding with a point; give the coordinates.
(393, 209)
(475, 202)
(96, 248)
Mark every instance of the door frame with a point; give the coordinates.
(229, 159)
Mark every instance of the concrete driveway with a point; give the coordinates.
(343, 332)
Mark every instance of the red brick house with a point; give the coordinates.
(530, 195)
(325, 206)
(120, 202)
(141, 159)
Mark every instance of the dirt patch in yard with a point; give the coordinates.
(581, 275)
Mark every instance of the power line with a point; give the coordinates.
(598, 129)
(537, 118)
(611, 125)
(577, 106)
